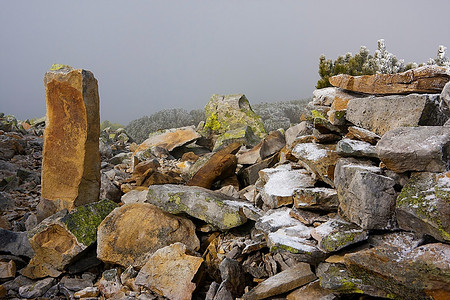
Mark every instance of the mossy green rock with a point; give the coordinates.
(224, 113)
(242, 135)
(423, 205)
(214, 208)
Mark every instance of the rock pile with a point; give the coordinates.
(352, 201)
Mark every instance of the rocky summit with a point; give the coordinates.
(350, 203)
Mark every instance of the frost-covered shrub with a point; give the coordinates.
(441, 59)
(386, 62)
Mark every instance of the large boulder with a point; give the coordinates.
(423, 205)
(58, 239)
(425, 148)
(426, 79)
(212, 207)
(366, 194)
(381, 114)
(71, 157)
(130, 234)
(224, 113)
(170, 271)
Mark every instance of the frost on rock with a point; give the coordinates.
(310, 151)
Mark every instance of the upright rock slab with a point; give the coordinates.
(381, 114)
(426, 79)
(71, 157)
(425, 148)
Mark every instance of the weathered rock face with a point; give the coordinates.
(423, 205)
(426, 79)
(354, 148)
(425, 148)
(282, 282)
(363, 135)
(58, 239)
(243, 135)
(324, 199)
(71, 157)
(366, 196)
(381, 114)
(130, 234)
(214, 208)
(224, 113)
(170, 271)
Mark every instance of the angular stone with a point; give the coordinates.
(366, 196)
(316, 199)
(319, 158)
(276, 219)
(445, 98)
(220, 166)
(308, 217)
(15, 243)
(363, 135)
(130, 234)
(76, 284)
(169, 139)
(165, 265)
(282, 282)
(89, 292)
(425, 148)
(281, 183)
(250, 174)
(336, 234)
(306, 250)
(214, 208)
(382, 114)
(419, 273)
(71, 157)
(426, 79)
(354, 148)
(423, 205)
(7, 269)
(311, 291)
(224, 113)
(37, 289)
(61, 237)
(242, 135)
(272, 143)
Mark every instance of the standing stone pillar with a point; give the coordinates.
(71, 158)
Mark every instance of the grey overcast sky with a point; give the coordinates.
(153, 55)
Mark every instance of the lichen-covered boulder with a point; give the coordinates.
(215, 208)
(58, 239)
(130, 234)
(224, 113)
(423, 205)
(242, 135)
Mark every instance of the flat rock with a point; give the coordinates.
(425, 148)
(319, 158)
(15, 243)
(7, 269)
(355, 148)
(426, 79)
(71, 157)
(130, 234)
(165, 265)
(214, 208)
(405, 275)
(319, 198)
(279, 184)
(362, 134)
(58, 239)
(275, 219)
(311, 291)
(36, 289)
(336, 234)
(282, 282)
(169, 139)
(228, 112)
(423, 205)
(382, 114)
(366, 195)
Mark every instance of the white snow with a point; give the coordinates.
(284, 183)
(298, 243)
(309, 151)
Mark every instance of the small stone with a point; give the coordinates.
(88, 292)
(362, 134)
(307, 217)
(282, 282)
(316, 199)
(36, 289)
(76, 284)
(7, 269)
(164, 265)
(354, 148)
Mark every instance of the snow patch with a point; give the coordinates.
(310, 151)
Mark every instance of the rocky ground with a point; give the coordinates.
(351, 203)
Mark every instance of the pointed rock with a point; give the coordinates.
(282, 282)
(426, 79)
(165, 265)
(423, 205)
(130, 234)
(424, 148)
(71, 157)
(214, 208)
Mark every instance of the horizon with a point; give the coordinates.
(153, 56)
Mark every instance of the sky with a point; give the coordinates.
(153, 55)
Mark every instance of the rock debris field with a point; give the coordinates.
(353, 202)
